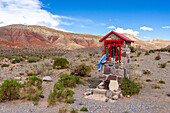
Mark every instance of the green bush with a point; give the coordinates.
(5, 65)
(83, 109)
(69, 100)
(132, 49)
(51, 98)
(9, 90)
(63, 110)
(129, 87)
(148, 80)
(161, 82)
(34, 81)
(69, 80)
(73, 110)
(81, 70)
(16, 60)
(158, 57)
(151, 51)
(61, 62)
(146, 53)
(32, 59)
(162, 65)
(156, 86)
(131, 56)
(138, 54)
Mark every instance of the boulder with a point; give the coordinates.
(109, 94)
(47, 78)
(113, 85)
(101, 85)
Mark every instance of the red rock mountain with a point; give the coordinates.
(33, 36)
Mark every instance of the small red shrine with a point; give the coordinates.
(112, 44)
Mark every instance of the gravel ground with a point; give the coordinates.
(148, 101)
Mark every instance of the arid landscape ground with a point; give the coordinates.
(150, 99)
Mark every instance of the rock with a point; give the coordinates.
(168, 94)
(109, 94)
(17, 78)
(101, 85)
(115, 97)
(99, 91)
(107, 99)
(121, 95)
(113, 85)
(88, 93)
(128, 96)
(47, 78)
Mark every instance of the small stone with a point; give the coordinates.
(115, 97)
(88, 93)
(47, 78)
(121, 96)
(168, 94)
(17, 78)
(107, 99)
(128, 96)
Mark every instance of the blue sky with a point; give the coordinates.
(146, 19)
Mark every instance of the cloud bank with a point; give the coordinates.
(166, 27)
(29, 12)
(129, 31)
(111, 27)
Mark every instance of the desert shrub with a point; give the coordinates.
(132, 49)
(168, 61)
(146, 71)
(78, 55)
(131, 56)
(81, 70)
(62, 110)
(129, 87)
(148, 80)
(5, 65)
(151, 51)
(162, 65)
(61, 62)
(158, 57)
(33, 93)
(156, 86)
(16, 60)
(51, 98)
(32, 59)
(69, 80)
(138, 54)
(73, 110)
(161, 82)
(146, 53)
(68, 93)
(34, 81)
(30, 72)
(9, 90)
(69, 100)
(83, 109)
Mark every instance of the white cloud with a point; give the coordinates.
(146, 28)
(29, 12)
(111, 27)
(129, 31)
(166, 27)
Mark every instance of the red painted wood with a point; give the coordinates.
(119, 53)
(110, 53)
(120, 42)
(116, 53)
(118, 34)
(113, 52)
(107, 53)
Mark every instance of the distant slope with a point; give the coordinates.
(159, 42)
(33, 36)
(146, 44)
